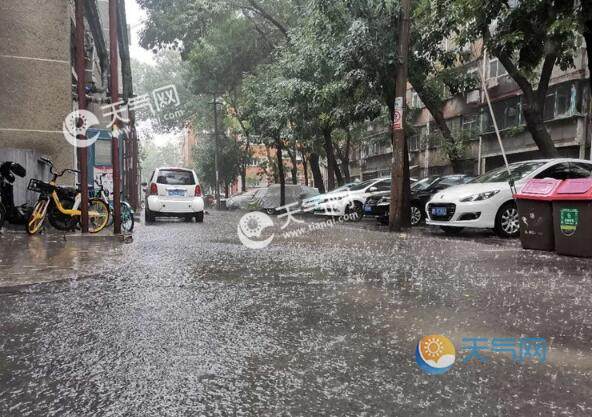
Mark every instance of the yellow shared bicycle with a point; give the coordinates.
(61, 205)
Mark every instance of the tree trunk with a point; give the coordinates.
(294, 167)
(332, 167)
(344, 157)
(226, 190)
(280, 164)
(304, 167)
(533, 116)
(243, 176)
(457, 166)
(316, 172)
(272, 167)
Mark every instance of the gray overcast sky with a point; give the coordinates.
(135, 19)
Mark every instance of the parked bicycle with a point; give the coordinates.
(127, 213)
(61, 205)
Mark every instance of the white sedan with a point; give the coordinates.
(487, 202)
(351, 201)
(174, 192)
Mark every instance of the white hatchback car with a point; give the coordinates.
(487, 201)
(174, 192)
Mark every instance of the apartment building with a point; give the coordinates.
(468, 115)
(38, 84)
(188, 143)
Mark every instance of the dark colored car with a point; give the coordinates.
(421, 192)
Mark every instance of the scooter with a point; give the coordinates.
(8, 211)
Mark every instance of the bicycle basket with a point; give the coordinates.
(38, 186)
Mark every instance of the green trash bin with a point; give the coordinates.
(572, 217)
(535, 210)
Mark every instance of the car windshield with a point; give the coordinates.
(362, 185)
(343, 188)
(424, 184)
(175, 177)
(518, 171)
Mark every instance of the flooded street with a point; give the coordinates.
(186, 321)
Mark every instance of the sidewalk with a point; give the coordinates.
(52, 256)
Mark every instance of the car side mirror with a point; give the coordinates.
(372, 189)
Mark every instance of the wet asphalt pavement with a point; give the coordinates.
(185, 321)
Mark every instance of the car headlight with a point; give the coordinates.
(384, 200)
(480, 197)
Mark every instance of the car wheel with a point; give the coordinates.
(383, 220)
(355, 210)
(451, 231)
(188, 218)
(199, 217)
(416, 215)
(148, 215)
(507, 221)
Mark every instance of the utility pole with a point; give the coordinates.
(81, 92)
(216, 158)
(114, 87)
(400, 162)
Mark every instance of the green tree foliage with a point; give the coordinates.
(154, 156)
(205, 164)
(529, 38)
(168, 69)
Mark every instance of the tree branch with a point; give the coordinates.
(261, 12)
(546, 73)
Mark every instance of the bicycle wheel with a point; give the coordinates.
(98, 215)
(37, 217)
(127, 218)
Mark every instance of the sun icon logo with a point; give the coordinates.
(435, 354)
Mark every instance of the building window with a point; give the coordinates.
(507, 114)
(416, 102)
(471, 125)
(454, 125)
(561, 101)
(496, 69)
(103, 153)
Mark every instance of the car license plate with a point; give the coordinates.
(439, 211)
(177, 193)
(368, 209)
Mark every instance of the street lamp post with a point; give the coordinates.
(216, 156)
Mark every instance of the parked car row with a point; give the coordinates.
(268, 199)
(378, 205)
(456, 202)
